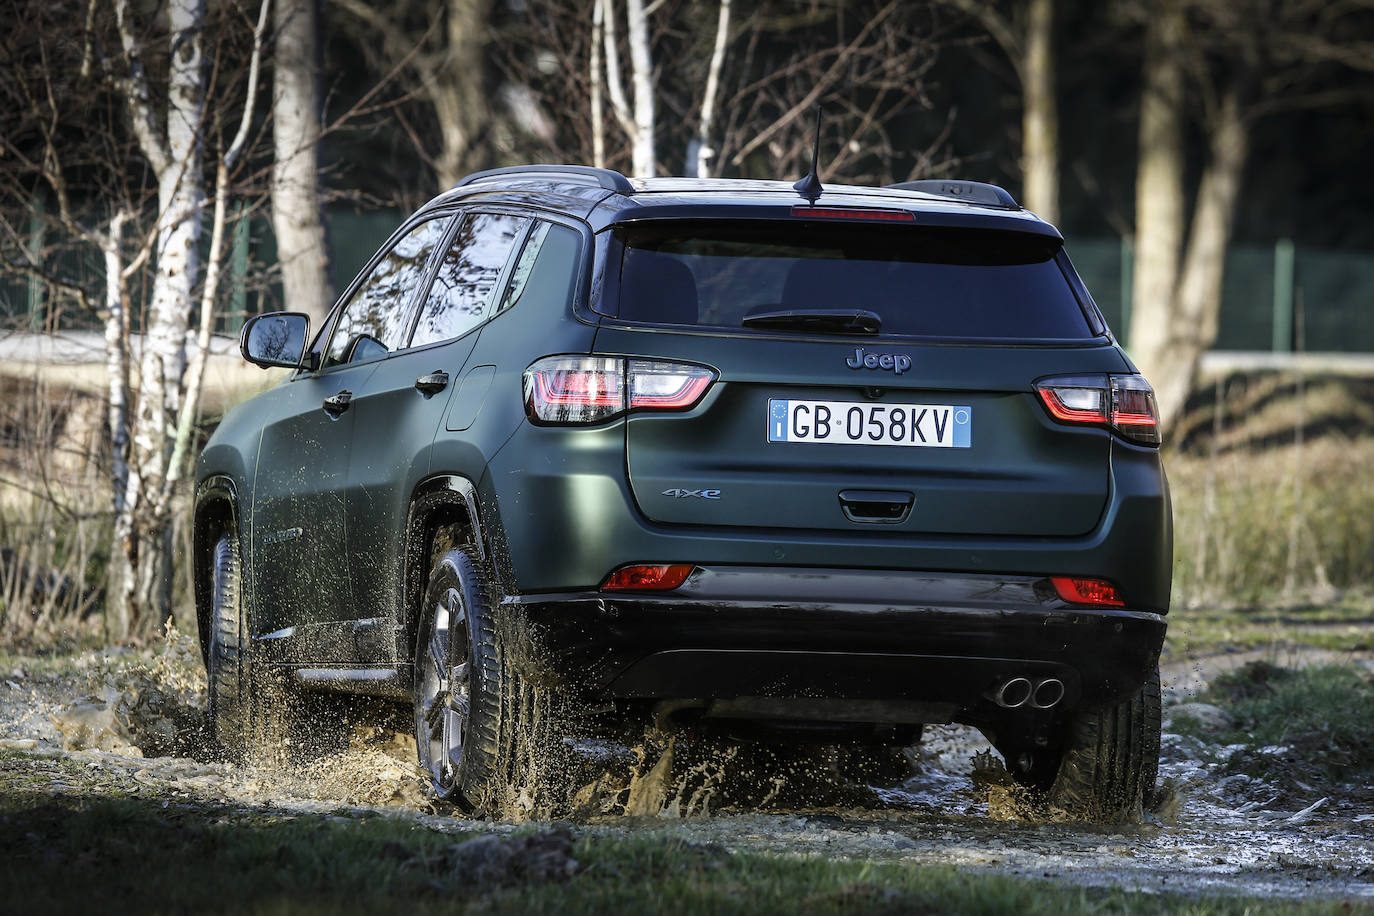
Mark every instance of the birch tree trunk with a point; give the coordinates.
(117, 371)
(703, 148)
(1040, 113)
(598, 114)
(141, 569)
(637, 118)
(159, 430)
(642, 76)
(297, 212)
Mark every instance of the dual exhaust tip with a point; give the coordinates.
(1019, 691)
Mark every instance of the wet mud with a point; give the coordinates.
(135, 722)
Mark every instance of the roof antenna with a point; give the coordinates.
(810, 186)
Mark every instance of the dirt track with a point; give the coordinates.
(1222, 831)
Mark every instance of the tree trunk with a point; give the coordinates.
(704, 151)
(461, 102)
(297, 214)
(1197, 305)
(637, 119)
(139, 593)
(598, 113)
(117, 613)
(1040, 113)
(1159, 197)
(642, 77)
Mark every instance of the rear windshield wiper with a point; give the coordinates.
(825, 321)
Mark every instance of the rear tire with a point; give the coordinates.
(459, 682)
(491, 739)
(1111, 758)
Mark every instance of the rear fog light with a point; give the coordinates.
(1095, 592)
(647, 578)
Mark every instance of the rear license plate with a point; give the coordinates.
(852, 423)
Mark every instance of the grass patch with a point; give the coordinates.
(1322, 719)
(75, 848)
(1245, 532)
(1345, 623)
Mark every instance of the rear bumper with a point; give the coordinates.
(862, 644)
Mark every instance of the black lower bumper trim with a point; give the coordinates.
(984, 631)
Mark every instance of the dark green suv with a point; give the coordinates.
(706, 452)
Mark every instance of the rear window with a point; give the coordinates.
(921, 282)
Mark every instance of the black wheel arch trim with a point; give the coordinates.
(438, 496)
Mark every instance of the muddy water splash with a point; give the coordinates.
(1230, 830)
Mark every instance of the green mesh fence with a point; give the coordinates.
(1331, 292)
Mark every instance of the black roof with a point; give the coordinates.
(604, 197)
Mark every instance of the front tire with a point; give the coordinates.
(226, 661)
(250, 709)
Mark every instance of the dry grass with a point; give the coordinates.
(54, 523)
(1273, 492)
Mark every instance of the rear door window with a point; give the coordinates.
(921, 282)
(460, 298)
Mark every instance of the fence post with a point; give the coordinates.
(1283, 296)
(1127, 281)
(238, 272)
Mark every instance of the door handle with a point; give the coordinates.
(338, 403)
(433, 383)
(883, 507)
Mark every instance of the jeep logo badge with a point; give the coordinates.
(897, 362)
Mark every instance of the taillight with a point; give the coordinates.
(1079, 590)
(1124, 403)
(647, 578)
(580, 390)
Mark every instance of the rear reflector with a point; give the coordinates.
(898, 216)
(1097, 592)
(1124, 403)
(655, 578)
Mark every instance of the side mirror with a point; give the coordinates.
(275, 339)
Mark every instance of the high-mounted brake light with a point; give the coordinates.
(891, 216)
(647, 578)
(1079, 590)
(1125, 403)
(580, 390)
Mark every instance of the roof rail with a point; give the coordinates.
(609, 179)
(972, 191)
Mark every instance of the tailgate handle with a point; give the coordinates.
(882, 507)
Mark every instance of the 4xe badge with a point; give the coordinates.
(678, 493)
(897, 362)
